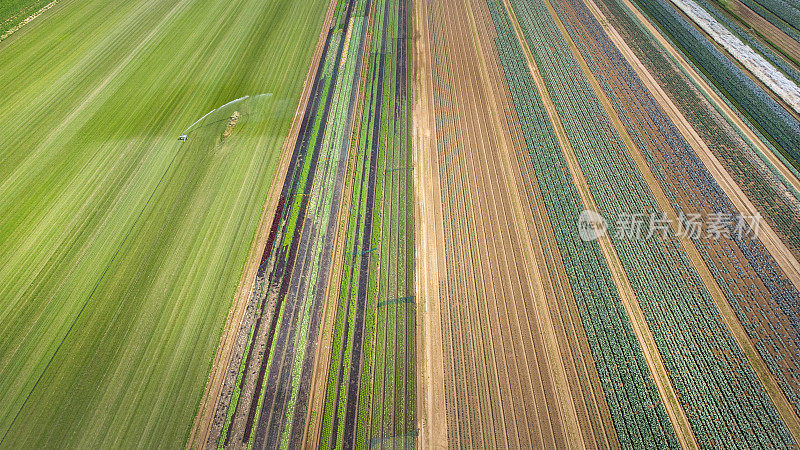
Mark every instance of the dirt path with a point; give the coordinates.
(428, 246)
(205, 415)
(641, 329)
(742, 203)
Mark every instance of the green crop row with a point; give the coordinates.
(709, 372)
(639, 417)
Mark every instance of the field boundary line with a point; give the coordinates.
(207, 408)
(566, 407)
(647, 343)
(733, 191)
(428, 243)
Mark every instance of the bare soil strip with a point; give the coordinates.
(205, 414)
(429, 249)
(501, 386)
(733, 191)
(565, 395)
(665, 389)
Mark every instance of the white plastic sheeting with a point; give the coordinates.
(754, 62)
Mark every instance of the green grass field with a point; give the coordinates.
(122, 247)
(13, 12)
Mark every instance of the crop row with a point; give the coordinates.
(786, 11)
(279, 353)
(763, 111)
(718, 389)
(752, 172)
(639, 417)
(764, 299)
(465, 397)
(748, 38)
(370, 393)
(784, 16)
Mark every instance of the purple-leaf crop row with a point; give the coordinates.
(761, 109)
(638, 414)
(764, 299)
(718, 389)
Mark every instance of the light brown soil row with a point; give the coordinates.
(468, 280)
(732, 189)
(505, 305)
(219, 368)
(594, 414)
(434, 29)
(583, 394)
(666, 391)
(429, 249)
(473, 373)
(564, 352)
(577, 432)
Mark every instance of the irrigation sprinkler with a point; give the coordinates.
(185, 135)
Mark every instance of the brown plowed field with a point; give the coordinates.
(516, 366)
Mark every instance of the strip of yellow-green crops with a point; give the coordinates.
(121, 246)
